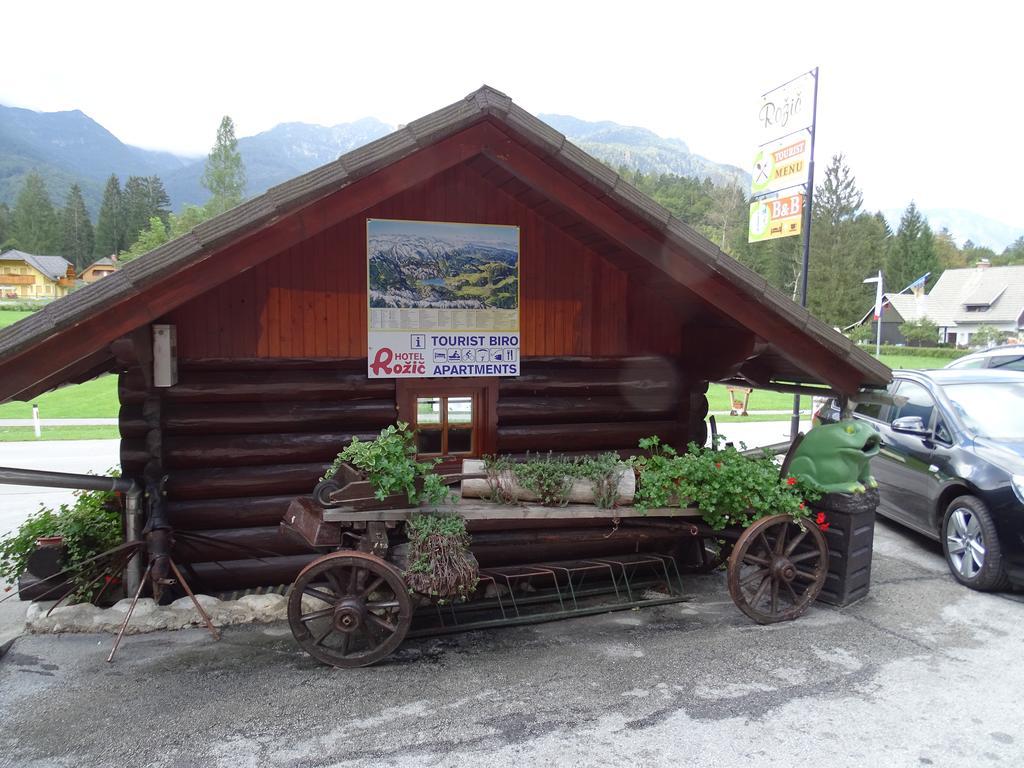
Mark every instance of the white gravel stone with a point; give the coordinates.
(150, 617)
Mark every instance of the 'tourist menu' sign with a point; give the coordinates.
(443, 299)
(781, 164)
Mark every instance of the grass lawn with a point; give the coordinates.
(764, 400)
(96, 399)
(27, 434)
(11, 316)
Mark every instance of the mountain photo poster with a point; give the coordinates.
(442, 299)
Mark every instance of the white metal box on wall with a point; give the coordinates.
(165, 356)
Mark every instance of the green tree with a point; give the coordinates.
(225, 173)
(77, 229)
(190, 216)
(988, 336)
(1012, 254)
(947, 253)
(972, 254)
(157, 233)
(110, 232)
(726, 212)
(846, 247)
(153, 236)
(34, 224)
(913, 251)
(862, 334)
(5, 224)
(143, 198)
(837, 199)
(921, 333)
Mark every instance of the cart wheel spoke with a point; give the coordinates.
(750, 559)
(759, 594)
(373, 587)
(383, 605)
(752, 577)
(319, 594)
(324, 636)
(377, 620)
(804, 556)
(316, 615)
(792, 593)
(804, 576)
(795, 543)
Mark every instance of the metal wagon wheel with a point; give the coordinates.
(349, 609)
(777, 568)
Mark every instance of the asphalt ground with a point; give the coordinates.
(922, 672)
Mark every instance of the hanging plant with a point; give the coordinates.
(440, 563)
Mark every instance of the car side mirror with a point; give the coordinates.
(911, 425)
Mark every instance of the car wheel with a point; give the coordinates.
(971, 546)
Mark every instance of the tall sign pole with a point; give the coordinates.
(794, 424)
(782, 177)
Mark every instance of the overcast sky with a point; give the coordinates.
(924, 98)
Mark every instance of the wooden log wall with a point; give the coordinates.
(239, 439)
(578, 405)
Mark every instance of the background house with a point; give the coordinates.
(28, 276)
(964, 300)
(100, 268)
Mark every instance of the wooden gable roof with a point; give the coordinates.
(72, 338)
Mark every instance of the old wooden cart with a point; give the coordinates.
(352, 606)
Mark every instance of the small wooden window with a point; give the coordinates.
(454, 419)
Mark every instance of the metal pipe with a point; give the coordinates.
(133, 502)
(47, 479)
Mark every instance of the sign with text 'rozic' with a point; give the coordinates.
(786, 109)
(781, 164)
(781, 217)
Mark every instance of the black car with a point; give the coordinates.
(951, 466)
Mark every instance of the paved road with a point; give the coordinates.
(920, 673)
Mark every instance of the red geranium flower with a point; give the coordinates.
(790, 481)
(820, 520)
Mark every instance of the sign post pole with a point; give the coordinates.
(794, 426)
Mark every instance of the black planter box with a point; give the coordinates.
(850, 537)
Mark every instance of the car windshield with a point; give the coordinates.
(994, 410)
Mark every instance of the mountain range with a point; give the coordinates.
(70, 147)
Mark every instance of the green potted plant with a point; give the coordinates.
(66, 538)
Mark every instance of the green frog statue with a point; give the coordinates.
(837, 457)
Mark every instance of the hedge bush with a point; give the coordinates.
(945, 353)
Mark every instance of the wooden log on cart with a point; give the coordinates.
(582, 492)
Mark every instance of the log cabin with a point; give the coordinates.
(624, 316)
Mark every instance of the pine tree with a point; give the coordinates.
(34, 224)
(913, 251)
(143, 198)
(110, 225)
(5, 225)
(838, 198)
(846, 247)
(225, 173)
(78, 234)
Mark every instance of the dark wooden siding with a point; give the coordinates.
(239, 439)
(310, 301)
